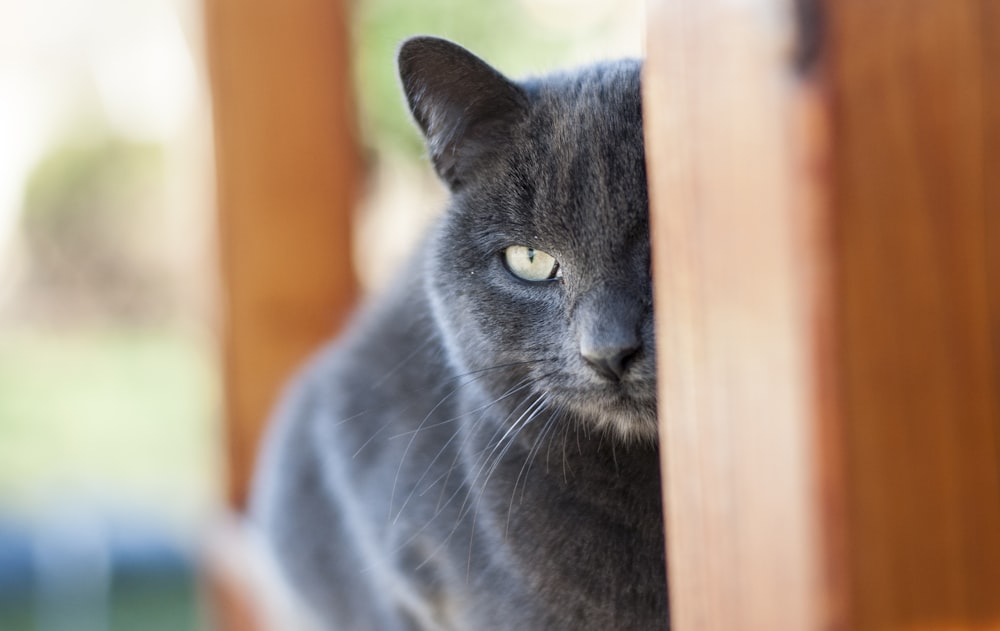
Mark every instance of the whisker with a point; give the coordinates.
(481, 371)
(496, 463)
(468, 438)
(527, 459)
(541, 438)
(488, 459)
(548, 452)
(524, 383)
(378, 383)
(340, 422)
(520, 386)
(370, 439)
(564, 438)
(413, 437)
(510, 429)
(439, 509)
(466, 507)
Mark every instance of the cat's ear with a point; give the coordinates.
(464, 107)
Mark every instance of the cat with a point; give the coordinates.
(478, 450)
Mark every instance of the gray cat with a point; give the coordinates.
(478, 450)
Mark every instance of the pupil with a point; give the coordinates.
(531, 255)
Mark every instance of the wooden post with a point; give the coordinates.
(909, 103)
(828, 313)
(288, 174)
(736, 319)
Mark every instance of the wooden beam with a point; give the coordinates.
(288, 174)
(736, 316)
(910, 185)
(827, 294)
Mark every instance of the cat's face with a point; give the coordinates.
(540, 275)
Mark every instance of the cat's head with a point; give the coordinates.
(539, 273)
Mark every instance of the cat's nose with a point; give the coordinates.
(611, 362)
(608, 322)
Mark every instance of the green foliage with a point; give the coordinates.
(88, 181)
(90, 218)
(498, 31)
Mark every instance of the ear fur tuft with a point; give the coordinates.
(464, 107)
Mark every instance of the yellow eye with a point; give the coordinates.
(531, 264)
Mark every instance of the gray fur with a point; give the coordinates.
(459, 458)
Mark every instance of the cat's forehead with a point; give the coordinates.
(599, 103)
(582, 151)
(584, 129)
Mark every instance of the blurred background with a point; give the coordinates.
(113, 464)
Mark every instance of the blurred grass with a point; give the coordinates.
(160, 603)
(156, 604)
(110, 414)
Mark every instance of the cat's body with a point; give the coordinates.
(478, 450)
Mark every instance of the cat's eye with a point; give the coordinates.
(531, 264)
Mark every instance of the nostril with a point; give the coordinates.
(611, 362)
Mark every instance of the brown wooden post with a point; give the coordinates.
(828, 294)
(910, 187)
(288, 174)
(734, 266)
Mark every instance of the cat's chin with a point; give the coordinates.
(627, 420)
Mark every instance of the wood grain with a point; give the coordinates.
(288, 174)
(911, 190)
(735, 310)
(828, 301)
